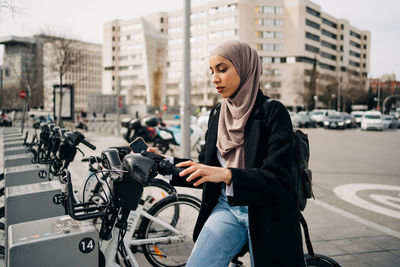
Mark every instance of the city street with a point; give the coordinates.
(356, 177)
(359, 224)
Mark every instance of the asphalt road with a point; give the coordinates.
(366, 167)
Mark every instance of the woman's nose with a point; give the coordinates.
(215, 78)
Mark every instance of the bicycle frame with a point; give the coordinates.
(133, 220)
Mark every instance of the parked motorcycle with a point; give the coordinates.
(155, 132)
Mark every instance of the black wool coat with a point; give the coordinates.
(263, 185)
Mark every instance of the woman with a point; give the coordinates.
(244, 170)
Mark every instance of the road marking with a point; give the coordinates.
(355, 218)
(348, 192)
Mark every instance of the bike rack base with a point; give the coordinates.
(18, 160)
(33, 202)
(26, 174)
(58, 241)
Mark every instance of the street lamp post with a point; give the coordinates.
(185, 97)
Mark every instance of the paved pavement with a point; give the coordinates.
(347, 238)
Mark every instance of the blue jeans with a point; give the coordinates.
(223, 235)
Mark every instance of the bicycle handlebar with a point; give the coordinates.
(88, 144)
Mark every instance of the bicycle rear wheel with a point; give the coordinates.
(320, 261)
(180, 211)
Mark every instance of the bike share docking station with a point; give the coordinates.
(33, 202)
(58, 241)
(10, 151)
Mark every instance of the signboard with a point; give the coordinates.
(22, 94)
(67, 110)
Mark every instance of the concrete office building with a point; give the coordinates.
(22, 66)
(85, 73)
(30, 59)
(289, 36)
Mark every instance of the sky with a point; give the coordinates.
(84, 19)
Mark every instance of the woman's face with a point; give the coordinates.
(225, 76)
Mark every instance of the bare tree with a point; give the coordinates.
(62, 57)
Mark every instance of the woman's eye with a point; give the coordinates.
(223, 70)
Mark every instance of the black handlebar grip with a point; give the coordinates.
(89, 145)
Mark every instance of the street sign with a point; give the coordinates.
(22, 94)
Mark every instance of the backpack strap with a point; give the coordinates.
(306, 235)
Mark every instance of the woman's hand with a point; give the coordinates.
(205, 173)
(153, 150)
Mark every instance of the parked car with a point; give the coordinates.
(372, 120)
(319, 115)
(335, 121)
(390, 122)
(357, 116)
(348, 120)
(302, 119)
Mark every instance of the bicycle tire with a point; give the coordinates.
(181, 211)
(320, 261)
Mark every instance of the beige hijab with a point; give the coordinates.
(236, 110)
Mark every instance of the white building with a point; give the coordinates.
(288, 34)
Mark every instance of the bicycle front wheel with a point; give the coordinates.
(180, 211)
(320, 261)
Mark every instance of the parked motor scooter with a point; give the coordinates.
(134, 128)
(167, 136)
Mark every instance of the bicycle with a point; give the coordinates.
(164, 233)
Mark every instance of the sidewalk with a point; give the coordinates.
(348, 239)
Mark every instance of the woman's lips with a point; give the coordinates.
(219, 89)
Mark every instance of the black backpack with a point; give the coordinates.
(302, 180)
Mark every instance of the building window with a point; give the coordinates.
(312, 48)
(329, 34)
(7, 72)
(266, 59)
(312, 24)
(329, 23)
(355, 44)
(365, 37)
(327, 55)
(354, 34)
(305, 59)
(327, 44)
(269, 10)
(326, 66)
(313, 12)
(353, 63)
(312, 36)
(355, 54)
